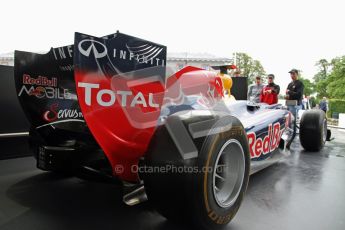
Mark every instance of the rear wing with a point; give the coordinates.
(46, 89)
(45, 82)
(46, 86)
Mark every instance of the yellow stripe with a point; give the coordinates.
(205, 176)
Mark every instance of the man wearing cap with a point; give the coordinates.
(269, 93)
(294, 91)
(254, 90)
(237, 74)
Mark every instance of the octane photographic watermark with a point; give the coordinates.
(169, 168)
(118, 169)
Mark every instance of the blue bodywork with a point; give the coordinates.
(256, 119)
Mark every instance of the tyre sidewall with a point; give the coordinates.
(312, 130)
(212, 214)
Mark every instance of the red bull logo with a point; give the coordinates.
(40, 80)
(259, 146)
(43, 87)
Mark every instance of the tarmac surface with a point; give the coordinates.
(305, 191)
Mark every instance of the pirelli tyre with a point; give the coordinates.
(206, 190)
(313, 130)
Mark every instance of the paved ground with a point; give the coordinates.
(306, 191)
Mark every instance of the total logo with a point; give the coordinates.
(53, 113)
(262, 146)
(107, 97)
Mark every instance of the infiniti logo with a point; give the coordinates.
(98, 49)
(146, 52)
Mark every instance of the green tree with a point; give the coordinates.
(323, 66)
(321, 88)
(330, 80)
(309, 87)
(248, 66)
(336, 79)
(321, 76)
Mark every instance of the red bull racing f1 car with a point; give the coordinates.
(106, 105)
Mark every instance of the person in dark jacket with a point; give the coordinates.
(324, 104)
(270, 92)
(294, 91)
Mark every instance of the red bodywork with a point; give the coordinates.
(124, 128)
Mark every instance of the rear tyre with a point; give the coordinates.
(313, 130)
(208, 192)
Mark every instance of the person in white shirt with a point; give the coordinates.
(254, 90)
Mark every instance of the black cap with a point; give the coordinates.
(294, 71)
(223, 68)
(218, 67)
(270, 76)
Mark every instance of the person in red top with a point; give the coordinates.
(269, 94)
